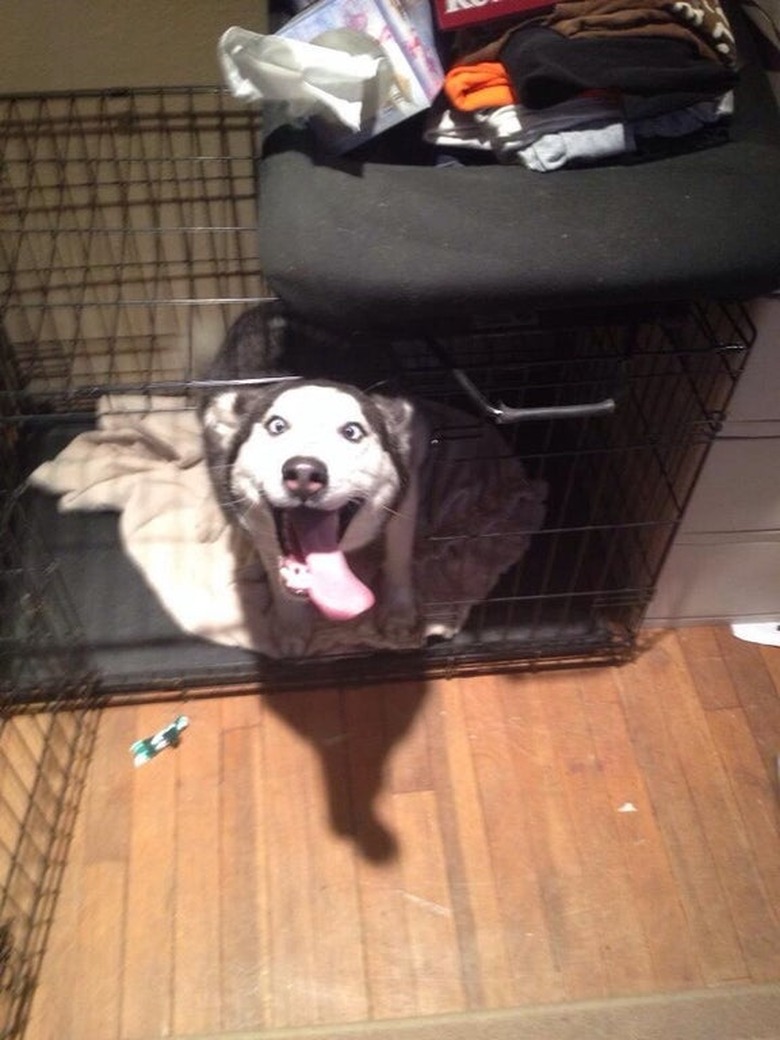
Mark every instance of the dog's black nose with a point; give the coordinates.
(304, 476)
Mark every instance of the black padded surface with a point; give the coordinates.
(368, 244)
(115, 631)
(123, 635)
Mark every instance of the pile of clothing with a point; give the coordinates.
(588, 81)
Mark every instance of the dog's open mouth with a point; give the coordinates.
(313, 565)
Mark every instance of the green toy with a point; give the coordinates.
(145, 750)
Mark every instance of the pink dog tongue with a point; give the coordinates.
(333, 587)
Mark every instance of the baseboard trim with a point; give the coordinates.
(749, 1012)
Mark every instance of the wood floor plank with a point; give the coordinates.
(756, 797)
(369, 751)
(705, 662)
(595, 818)
(672, 754)
(771, 658)
(410, 849)
(196, 949)
(33, 780)
(503, 798)
(241, 711)
(447, 796)
(390, 977)
(100, 953)
(18, 779)
(148, 937)
(484, 954)
(655, 890)
(756, 921)
(409, 758)
(264, 842)
(758, 694)
(22, 748)
(390, 982)
(240, 866)
(755, 790)
(90, 913)
(433, 949)
(293, 796)
(570, 916)
(108, 798)
(58, 1003)
(338, 963)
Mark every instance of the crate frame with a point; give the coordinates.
(133, 234)
(130, 238)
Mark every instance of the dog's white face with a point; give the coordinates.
(325, 463)
(319, 435)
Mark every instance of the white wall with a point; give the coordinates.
(83, 44)
(725, 563)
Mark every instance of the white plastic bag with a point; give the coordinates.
(305, 78)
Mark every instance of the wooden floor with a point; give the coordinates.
(341, 855)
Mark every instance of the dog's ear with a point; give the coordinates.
(398, 416)
(255, 342)
(277, 329)
(223, 416)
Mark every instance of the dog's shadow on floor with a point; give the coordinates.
(354, 732)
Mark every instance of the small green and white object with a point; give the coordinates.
(145, 750)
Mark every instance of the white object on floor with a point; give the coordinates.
(767, 633)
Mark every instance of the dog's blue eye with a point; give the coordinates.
(353, 432)
(276, 425)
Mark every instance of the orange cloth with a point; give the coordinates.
(484, 85)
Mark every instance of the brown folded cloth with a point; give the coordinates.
(482, 42)
(702, 22)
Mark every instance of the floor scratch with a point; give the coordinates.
(427, 904)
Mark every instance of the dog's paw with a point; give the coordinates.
(397, 617)
(289, 644)
(438, 632)
(290, 627)
(290, 647)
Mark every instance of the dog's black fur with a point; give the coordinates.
(263, 357)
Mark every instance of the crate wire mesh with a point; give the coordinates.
(619, 482)
(43, 767)
(129, 218)
(131, 241)
(119, 211)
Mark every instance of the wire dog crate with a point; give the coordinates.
(132, 239)
(43, 769)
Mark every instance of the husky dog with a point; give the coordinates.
(312, 469)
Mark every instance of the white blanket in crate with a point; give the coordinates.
(145, 461)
